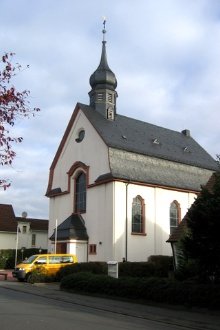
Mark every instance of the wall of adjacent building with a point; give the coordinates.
(7, 240)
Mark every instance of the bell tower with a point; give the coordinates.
(103, 83)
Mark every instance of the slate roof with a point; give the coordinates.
(147, 139)
(8, 220)
(71, 228)
(144, 153)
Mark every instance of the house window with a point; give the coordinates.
(92, 248)
(80, 195)
(24, 229)
(174, 215)
(138, 225)
(33, 240)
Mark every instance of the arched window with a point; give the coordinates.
(138, 221)
(80, 193)
(174, 215)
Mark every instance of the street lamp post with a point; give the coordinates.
(16, 248)
(22, 253)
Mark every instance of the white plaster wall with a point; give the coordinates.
(157, 204)
(7, 240)
(78, 248)
(99, 221)
(41, 239)
(61, 207)
(25, 239)
(92, 152)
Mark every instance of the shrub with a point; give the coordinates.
(160, 290)
(7, 259)
(7, 256)
(162, 264)
(135, 269)
(39, 275)
(89, 283)
(92, 267)
(158, 266)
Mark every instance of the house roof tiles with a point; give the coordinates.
(8, 220)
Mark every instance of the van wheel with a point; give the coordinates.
(28, 278)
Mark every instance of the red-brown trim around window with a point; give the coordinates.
(143, 218)
(76, 167)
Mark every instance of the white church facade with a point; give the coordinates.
(119, 186)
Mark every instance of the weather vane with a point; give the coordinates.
(104, 30)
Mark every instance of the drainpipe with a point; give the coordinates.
(126, 222)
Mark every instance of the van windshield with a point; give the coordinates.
(29, 260)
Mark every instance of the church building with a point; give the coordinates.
(118, 186)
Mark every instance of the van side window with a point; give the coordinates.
(54, 260)
(67, 259)
(41, 260)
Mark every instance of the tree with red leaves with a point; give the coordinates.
(13, 105)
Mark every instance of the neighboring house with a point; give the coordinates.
(181, 229)
(119, 186)
(21, 231)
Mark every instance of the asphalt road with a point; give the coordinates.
(20, 311)
(44, 306)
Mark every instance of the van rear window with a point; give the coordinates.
(60, 260)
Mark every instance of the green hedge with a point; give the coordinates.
(92, 267)
(158, 290)
(7, 257)
(158, 266)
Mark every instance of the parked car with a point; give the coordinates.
(48, 264)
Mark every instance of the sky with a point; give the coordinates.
(164, 53)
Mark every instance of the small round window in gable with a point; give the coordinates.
(81, 136)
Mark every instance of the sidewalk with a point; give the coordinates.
(192, 319)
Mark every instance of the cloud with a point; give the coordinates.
(165, 55)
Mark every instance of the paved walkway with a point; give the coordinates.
(191, 319)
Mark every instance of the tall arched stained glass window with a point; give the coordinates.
(80, 195)
(138, 225)
(174, 215)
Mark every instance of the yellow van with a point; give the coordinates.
(48, 264)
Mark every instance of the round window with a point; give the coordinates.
(81, 135)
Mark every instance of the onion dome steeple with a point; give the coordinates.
(103, 83)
